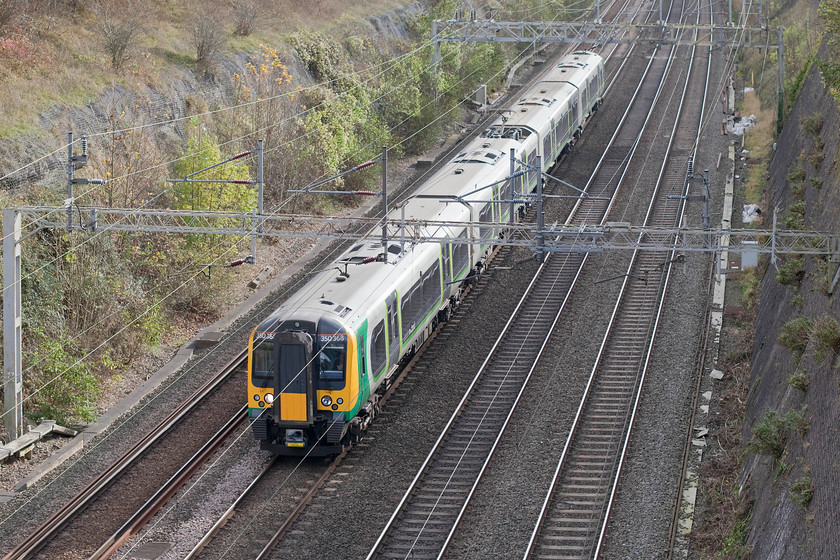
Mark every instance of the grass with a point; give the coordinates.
(759, 141)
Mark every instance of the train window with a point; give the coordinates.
(532, 174)
(484, 217)
(460, 255)
(377, 348)
(263, 363)
(331, 363)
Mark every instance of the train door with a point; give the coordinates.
(393, 328)
(293, 383)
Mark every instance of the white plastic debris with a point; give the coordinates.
(751, 213)
(744, 124)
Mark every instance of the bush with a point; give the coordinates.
(246, 14)
(62, 386)
(792, 271)
(120, 26)
(795, 217)
(799, 380)
(9, 10)
(748, 284)
(770, 435)
(802, 491)
(826, 332)
(208, 36)
(813, 124)
(795, 334)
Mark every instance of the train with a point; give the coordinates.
(317, 365)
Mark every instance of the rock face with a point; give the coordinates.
(785, 523)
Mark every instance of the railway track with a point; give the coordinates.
(93, 515)
(430, 511)
(244, 539)
(575, 513)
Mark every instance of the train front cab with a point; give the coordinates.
(299, 391)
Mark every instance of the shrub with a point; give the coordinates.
(816, 155)
(246, 14)
(826, 332)
(63, 387)
(120, 26)
(813, 124)
(795, 334)
(791, 271)
(796, 175)
(208, 36)
(735, 543)
(9, 10)
(795, 218)
(799, 380)
(802, 491)
(770, 434)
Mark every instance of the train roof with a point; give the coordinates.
(574, 68)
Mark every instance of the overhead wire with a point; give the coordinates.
(277, 320)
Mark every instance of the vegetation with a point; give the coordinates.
(791, 271)
(826, 333)
(770, 434)
(748, 284)
(132, 287)
(799, 380)
(795, 334)
(802, 491)
(735, 544)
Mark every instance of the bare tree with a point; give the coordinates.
(208, 36)
(246, 14)
(121, 26)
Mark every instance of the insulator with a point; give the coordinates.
(690, 167)
(84, 145)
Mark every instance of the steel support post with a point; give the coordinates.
(385, 204)
(12, 370)
(436, 42)
(260, 184)
(71, 167)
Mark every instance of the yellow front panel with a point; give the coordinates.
(293, 407)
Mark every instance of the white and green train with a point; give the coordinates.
(316, 363)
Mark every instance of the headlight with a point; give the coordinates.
(256, 397)
(269, 398)
(326, 400)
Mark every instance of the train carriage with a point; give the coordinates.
(316, 363)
